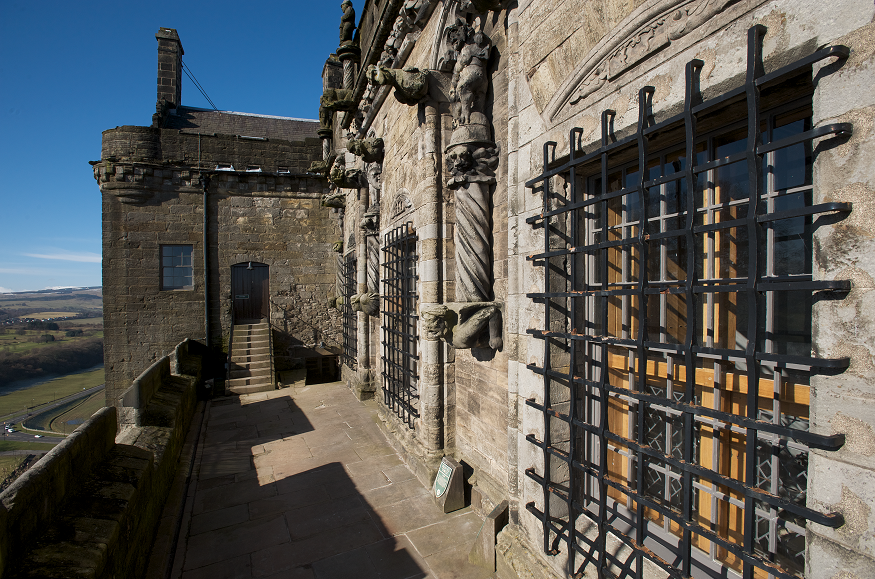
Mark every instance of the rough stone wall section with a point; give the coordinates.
(844, 481)
(266, 216)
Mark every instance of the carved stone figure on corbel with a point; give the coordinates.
(370, 150)
(470, 79)
(411, 84)
(336, 199)
(368, 302)
(463, 325)
(345, 178)
(347, 22)
(472, 157)
(322, 167)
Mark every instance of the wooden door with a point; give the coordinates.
(249, 292)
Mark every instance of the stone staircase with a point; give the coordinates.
(250, 367)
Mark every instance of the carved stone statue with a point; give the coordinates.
(322, 167)
(367, 302)
(337, 246)
(411, 84)
(345, 178)
(335, 302)
(470, 79)
(347, 22)
(370, 222)
(370, 150)
(334, 99)
(467, 325)
(336, 200)
(374, 176)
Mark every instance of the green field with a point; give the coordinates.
(13, 341)
(9, 464)
(44, 315)
(78, 414)
(50, 391)
(16, 445)
(80, 322)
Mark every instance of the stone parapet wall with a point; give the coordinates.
(33, 501)
(91, 506)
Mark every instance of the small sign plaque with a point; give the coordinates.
(243, 297)
(442, 480)
(448, 487)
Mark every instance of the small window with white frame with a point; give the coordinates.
(176, 267)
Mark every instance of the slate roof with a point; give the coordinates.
(206, 121)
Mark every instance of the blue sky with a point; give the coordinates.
(71, 70)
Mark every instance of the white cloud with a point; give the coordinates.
(4, 290)
(60, 255)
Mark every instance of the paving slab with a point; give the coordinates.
(302, 483)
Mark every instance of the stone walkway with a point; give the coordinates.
(301, 483)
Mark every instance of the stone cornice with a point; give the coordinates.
(136, 182)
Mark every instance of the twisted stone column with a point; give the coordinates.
(473, 247)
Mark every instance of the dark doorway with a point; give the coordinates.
(249, 292)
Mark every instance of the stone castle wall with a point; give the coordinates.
(272, 218)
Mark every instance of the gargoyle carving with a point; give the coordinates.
(322, 167)
(463, 325)
(337, 246)
(370, 150)
(368, 302)
(334, 99)
(335, 303)
(371, 221)
(471, 164)
(411, 84)
(336, 199)
(345, 178)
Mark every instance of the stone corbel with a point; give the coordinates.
(322, 167)
(463, 325)
(368, 302)
(370, 223)
(345, 178)
(370, 150)
(336, 200)
(335, 303)
(332, 100)
(128, 193)
(411, 84)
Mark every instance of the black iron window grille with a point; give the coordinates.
(350, 321)
(678, 295)
(400, 336)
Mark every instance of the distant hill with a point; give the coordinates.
(77, 302)
(50, 332)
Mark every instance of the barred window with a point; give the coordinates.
(176, 267)
(350, 321)
(399, 329)
(677, 334)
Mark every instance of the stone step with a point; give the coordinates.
(251, 373)
(251, 389)
(259, 342)
(247, 358)
(249, 381)
(261, 326)
(250, 349)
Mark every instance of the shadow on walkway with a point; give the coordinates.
(301, 483)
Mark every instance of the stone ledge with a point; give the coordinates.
(102, 526)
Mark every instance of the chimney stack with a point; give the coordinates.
(169, 67)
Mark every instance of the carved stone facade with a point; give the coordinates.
(560, 318)
(453, 113)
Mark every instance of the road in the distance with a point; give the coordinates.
(18, 416)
